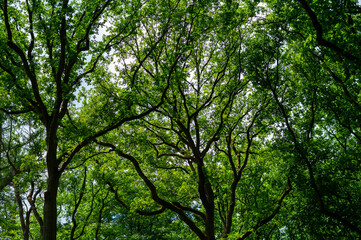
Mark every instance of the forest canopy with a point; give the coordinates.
(152, 119)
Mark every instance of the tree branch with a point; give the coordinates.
(271, 216)
(319, 34)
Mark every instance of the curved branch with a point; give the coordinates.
(319, 34)
(271, 216)
(30, 74)
(14, 112)
(158, 199)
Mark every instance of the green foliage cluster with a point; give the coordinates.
(180, 119)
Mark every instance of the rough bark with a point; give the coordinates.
(50, 209)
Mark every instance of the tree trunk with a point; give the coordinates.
(50, 210)
(50, 206)
(210, 212)
(21, 211)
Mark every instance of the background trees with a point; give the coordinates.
(313, 87)
(176, 119)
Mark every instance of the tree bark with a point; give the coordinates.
(50, 209)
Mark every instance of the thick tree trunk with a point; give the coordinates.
(207, 197)
(50, 206)
(50, 210)
(209, 212)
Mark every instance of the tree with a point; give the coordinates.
(176, 119)
(314, 84)
(192, 152)
(21, 148)
(47, 52)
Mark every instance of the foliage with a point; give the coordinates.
(180, 120)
